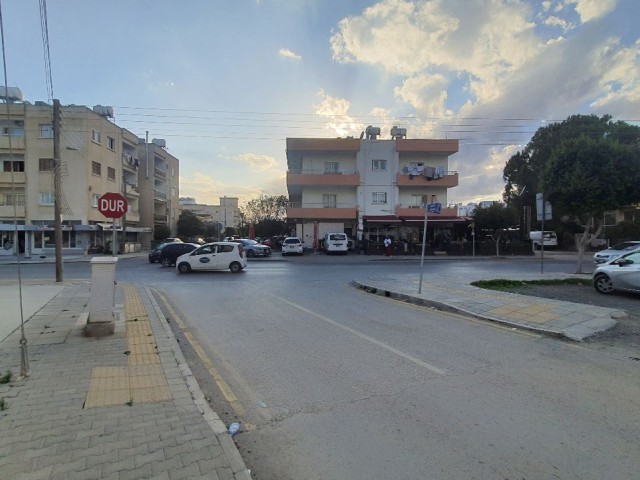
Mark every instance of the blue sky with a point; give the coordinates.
(225, 83)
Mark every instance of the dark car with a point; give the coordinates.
(253, 248)
(169, 252)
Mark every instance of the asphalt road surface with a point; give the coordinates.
(333, 383)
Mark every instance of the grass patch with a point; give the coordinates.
(6, 378)
(502, 284)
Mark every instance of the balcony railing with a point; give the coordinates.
(321, 177)
(338, 211)
(446, 179)
(160, 172)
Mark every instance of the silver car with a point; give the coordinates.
(622, 273)
(615, 251)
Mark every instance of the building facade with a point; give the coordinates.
(370, 188)
(226, 213)
(158, 178)
(96, 157)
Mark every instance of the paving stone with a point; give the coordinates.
(185, 472)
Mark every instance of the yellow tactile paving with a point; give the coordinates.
(143, 380)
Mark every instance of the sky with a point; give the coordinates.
(226, 82)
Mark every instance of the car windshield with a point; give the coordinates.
(250, 242)
(292, 240)
(337, 236)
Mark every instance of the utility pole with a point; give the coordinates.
(57, 188)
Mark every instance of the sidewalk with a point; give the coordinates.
(120, 407)
(575, 321)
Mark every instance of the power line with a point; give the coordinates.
(44, 27)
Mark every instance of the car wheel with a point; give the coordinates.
(184, 267)
(235, 267)
(251, 253)
(166, 262)
(284, 254)
(603, 284)
(151, 260)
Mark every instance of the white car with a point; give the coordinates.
(214, 256)
(292, 246)
(620, 249)
(335, 243)
(621, 273)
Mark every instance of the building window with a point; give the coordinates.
(329, 200)
(18, 166)
(111, 143)
(95, 136)
(331, 167)
(379, 165)
(94, 200)
(379, 198)
(96, 168)
(46, 131)
(416, 201)
(46, 164)
(111, 173)
(9, 199)
(47, 198)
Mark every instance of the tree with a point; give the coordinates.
(265, 207)
(584, 166)
(189, 225)
(161, 231)
(267, 213)
(495, 219)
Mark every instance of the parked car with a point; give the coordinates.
(171, 251)
(214, 256)
(548, 238)
(620, 249)
(292, 246)
(171, 240)
(622, 273)
(335, 243)
(253, 248)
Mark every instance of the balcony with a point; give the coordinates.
(17, 143)
(159, 172)
(448, 180)
(159, 196)
(6, 211)
(348, 178)
(160, 218)
(299, 210)
(131, 190)
(19, 177)
(133, 216)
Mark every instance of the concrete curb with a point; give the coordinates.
(240, 471)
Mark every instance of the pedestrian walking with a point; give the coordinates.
(387, 246)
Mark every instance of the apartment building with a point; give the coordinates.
(96, 157)
(226, 213)
(158, 180)
(370, 187)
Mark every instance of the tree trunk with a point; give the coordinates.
(582, 240)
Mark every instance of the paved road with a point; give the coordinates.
(335, 383)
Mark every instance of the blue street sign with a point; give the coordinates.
(434, 207)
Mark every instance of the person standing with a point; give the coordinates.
(387, 246)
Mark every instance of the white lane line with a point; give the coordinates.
(369, 339)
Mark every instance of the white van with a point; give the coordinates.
(550, 239)
(335, 243)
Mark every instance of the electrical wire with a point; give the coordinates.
(44, 28)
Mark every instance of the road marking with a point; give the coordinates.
(224, 388)
(367, 338)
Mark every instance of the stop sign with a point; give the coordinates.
(112, 205)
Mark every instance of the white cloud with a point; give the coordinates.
(255, 162)
(289, 55)
(593, 9)
(554, 21)
(335, 113)
(426, 93)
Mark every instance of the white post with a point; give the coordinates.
(424, 241)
